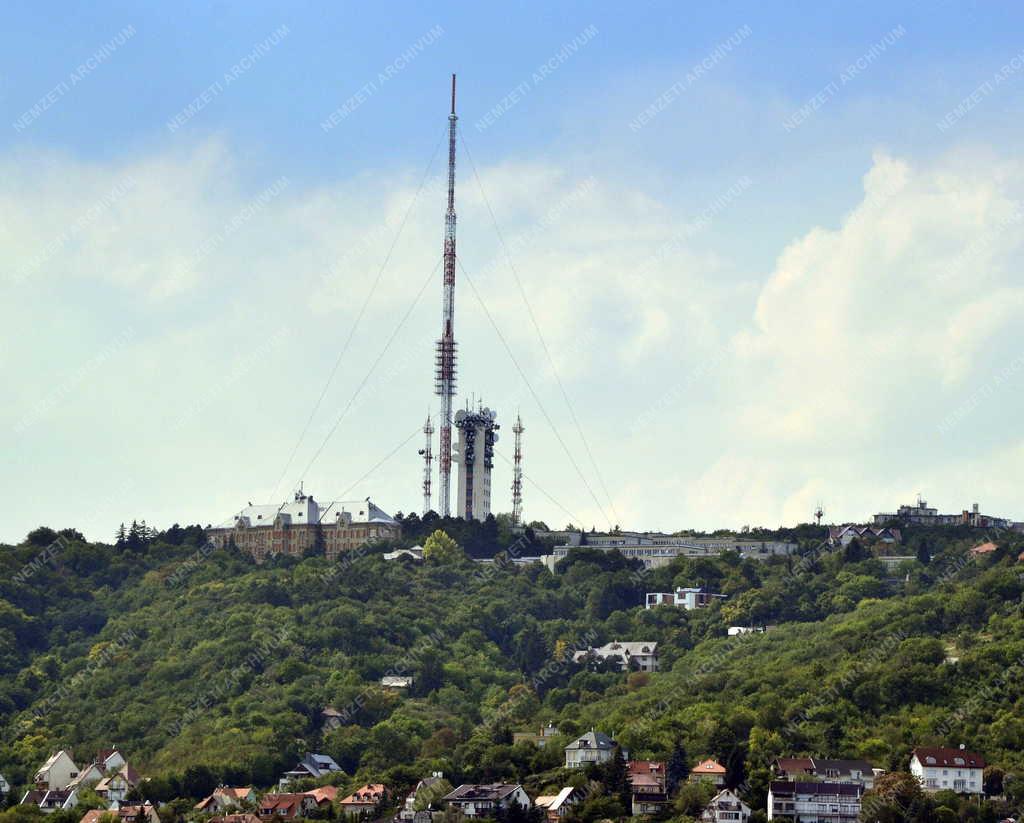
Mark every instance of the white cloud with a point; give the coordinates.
(704, 404)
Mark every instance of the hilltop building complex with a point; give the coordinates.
(292, 528)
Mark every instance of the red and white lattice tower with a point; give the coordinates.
(444, 383)
(517, 473)
(427, 454)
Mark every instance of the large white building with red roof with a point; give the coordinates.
(958, 770)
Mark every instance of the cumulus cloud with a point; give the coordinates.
(703, 401)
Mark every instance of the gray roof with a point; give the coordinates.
(484, 791)
(307, 510)
(592, 740)
(316, 765)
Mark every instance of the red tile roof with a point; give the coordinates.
(709, 766)
(949, 757)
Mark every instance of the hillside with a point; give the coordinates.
(185, 658)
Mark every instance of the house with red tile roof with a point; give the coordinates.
(647, 786)
(710, 770)
(983, 549)
(324, 795)
(287, 805)
(225, 798)
(365, 799)
(125, 814)
(939, 768)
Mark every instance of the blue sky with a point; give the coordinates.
(747, 317)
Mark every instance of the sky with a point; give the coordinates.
(727, 260)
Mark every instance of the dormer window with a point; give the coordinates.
(930, 760)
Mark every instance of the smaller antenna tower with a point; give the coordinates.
(427, 454)
(517, 473)
(819, 512)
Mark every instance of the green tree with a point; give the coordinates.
(440, 548)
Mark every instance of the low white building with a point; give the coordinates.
(689, 598)
(815, 802)
(640, 655)
(956, 769)
(726, 807)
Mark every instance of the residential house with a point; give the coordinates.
(56, 773)
(425, 793)
(286, 805)
(733, 631)
(332, 718)
(365, 799)
(144, 813)
(804, 802)
(834, 771)
(311, 765)
(539, 739)
(484, 800)
(710, 770)
(50, 800)
(983, 548)
(110, 760)
(244, 817)
(114, 788)
(593, 747)
(642, 656)
(557, 806)
(726, 807)
(225, 798)
(90, 775)
(690, 598)
(396, 683)
(324, 795)
(647, 786)
(414, 553)
(940, 768)
(5, 787)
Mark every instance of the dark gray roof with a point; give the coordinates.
(482, 791)
(592, 740)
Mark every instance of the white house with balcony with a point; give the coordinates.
(958, 770)
(726, 807)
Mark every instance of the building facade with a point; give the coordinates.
(655, 550)
(474, 455)
(815, 802)
(956, 769)
(592, 747)
(641, 655)
(726, 807)
(688, 598)
(921, 514)
(298, 526)
(485, 800)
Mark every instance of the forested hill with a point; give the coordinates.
(185, 658)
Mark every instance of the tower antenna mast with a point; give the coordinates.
(444, 384)
(428, 458)
(517, 473)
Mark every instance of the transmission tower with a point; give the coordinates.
(517, 473)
